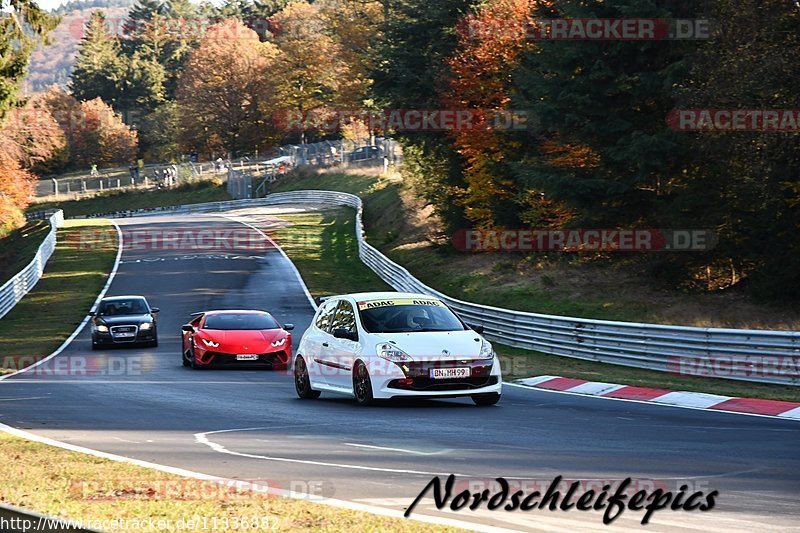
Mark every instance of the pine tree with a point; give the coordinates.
(22, 26)
(603, 146)
(99, 68)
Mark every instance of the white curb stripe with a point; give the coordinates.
(691, 399)
(793, 413)
(595, 388)
(532, 382)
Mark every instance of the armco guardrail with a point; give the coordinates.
(14, 289)
(729, 353)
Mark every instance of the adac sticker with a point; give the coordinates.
(372, 304)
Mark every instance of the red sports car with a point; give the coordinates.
(227, 338)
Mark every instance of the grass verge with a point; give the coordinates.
(610, 287)
(330, 234)
(18, 248)
(188, 193)
(73, 277)
(72, 485)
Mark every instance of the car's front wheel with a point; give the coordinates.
(490, 398)
(362, 385)
(302, 383)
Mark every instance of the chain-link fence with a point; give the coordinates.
(240, 173)
(81, 184)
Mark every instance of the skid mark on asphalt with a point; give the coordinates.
(23, 399)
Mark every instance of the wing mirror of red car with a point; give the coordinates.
(187, 328)
(288, 327)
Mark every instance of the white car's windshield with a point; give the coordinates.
(407, 315)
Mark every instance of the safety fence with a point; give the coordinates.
(749, 355)
(14, 289)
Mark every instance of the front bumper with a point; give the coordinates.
(278, 359)
(108, 338)
(414, 379)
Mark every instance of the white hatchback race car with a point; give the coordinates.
(388, 345)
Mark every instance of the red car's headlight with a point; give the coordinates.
(279, 342)
(210, 344)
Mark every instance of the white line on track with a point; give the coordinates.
(87, 317)
(202, 438)
(401, 450)
(340, 504)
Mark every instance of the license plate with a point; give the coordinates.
(450, 373)
(247, 357)
(124, 334)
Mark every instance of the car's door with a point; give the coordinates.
(317, 342)
(343, 350)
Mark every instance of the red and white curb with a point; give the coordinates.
(693, 400)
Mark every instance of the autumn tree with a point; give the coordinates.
(310, 72)
(479, 80)
(33, 137)
(227, 81)
(16, 189)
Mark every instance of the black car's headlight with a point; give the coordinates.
(102, 328)
(145, 326)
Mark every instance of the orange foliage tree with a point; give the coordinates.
(16, 188)
(223, 88)
(491, 41)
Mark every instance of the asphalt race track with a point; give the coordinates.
(249, 424)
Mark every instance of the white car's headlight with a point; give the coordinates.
(101, 328)
(145, 326)
(487, 352)
(210, 344)
(391, 352)
(279, 342)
